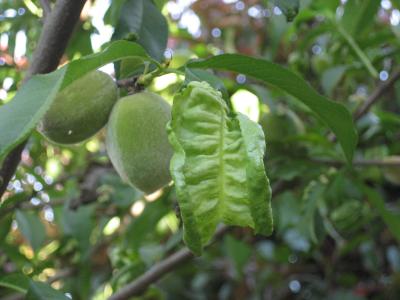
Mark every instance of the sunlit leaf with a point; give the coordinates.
(335, 115)
(217, 166)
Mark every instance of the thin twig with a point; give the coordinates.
(88, 185)
(53, 40)
(141, 283)
(386, 162)
(377, 94)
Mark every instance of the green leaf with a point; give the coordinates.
(391, 219)
(32, 228)
(312, 196)
(42, 291)
(358, 15)
(335, 115)
(217, 166)
(5, 226)
(357, 50)
(17, 282)
(290, 8)
(331, 77)
(239, 252)
(114, 11)
(142, 22)
(20, 116)
(140, 227)
(79, 224)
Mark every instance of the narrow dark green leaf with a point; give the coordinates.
(5, 225)
(331, 77)
(17, 282)
(142, 22)
(358, 15)
(391, 219)
(202, 75)
(239, 252)
(42, 291)
(335, 115)
(20, 116)
(114, 11)
(290, 8)
(79, 224)
(142, 226)
(32, 228)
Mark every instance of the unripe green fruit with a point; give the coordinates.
(137, 141)
(80, 110)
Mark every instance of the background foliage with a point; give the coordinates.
(68, 221)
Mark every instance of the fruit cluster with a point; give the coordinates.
(137, 142)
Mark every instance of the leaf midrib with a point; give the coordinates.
(221, 177)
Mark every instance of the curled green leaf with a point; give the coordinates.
(217, 166)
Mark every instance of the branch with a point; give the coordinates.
(377, 94)
(88, 185)
(141, 283)
(46, 8)
(386, 162)
(373, 98)
(53, 40)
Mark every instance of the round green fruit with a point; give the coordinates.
(137, 141)
(80, 110)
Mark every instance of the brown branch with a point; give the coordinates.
(377, 94)
(373, 98)
(53, 40)
(88, 185)
(386, 162)
(141, 283)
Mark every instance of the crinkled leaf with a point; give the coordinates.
(217, 166)
(20, 116)
(335, 115)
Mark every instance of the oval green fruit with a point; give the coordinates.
(80, 110)
(137, 141)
